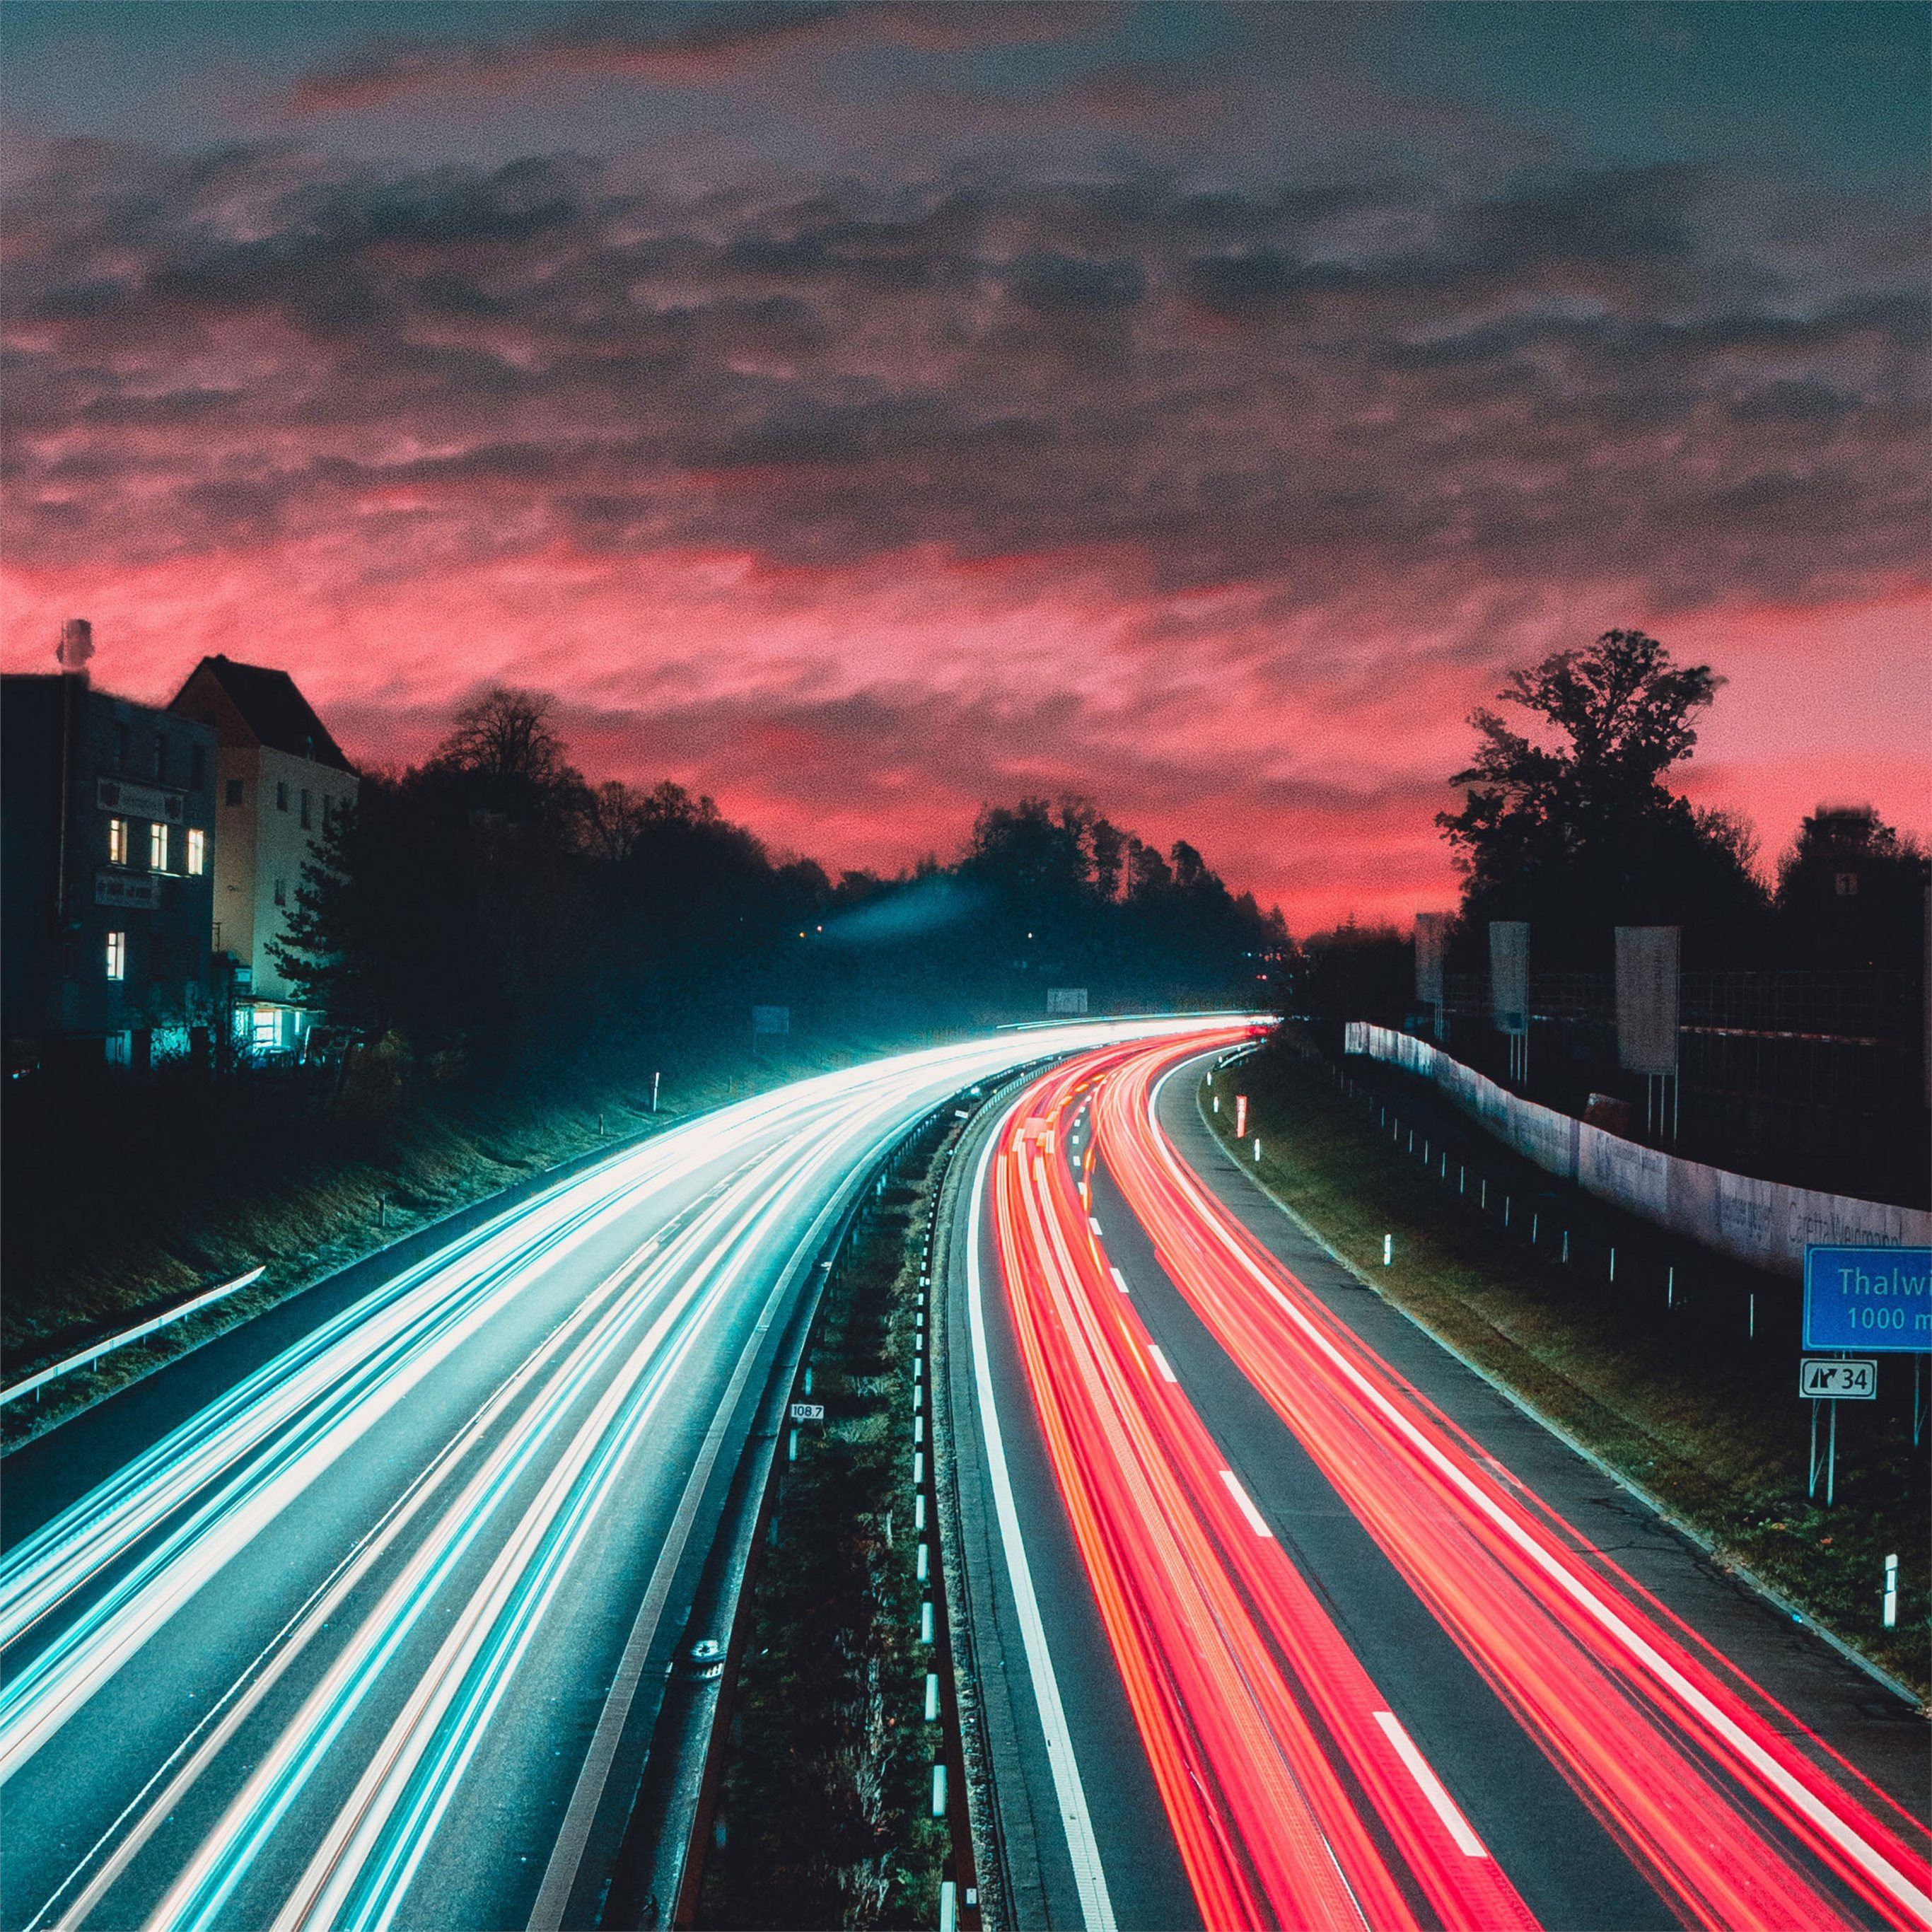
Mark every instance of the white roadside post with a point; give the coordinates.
(1891, 1593)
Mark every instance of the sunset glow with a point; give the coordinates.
(863, 414)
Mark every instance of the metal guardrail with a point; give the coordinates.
(86, 1357)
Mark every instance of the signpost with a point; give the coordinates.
(1838, 1379)
(1876, 1299)
(1509, 989)
(1647, 980)
(1432, 932)
(808, 1411)
(1868, 1298)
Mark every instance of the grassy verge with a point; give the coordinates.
(823, 1803)
(1678, 1398)
(125, 1200)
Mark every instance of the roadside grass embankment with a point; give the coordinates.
(822, 1816)
(125, 1199)
(1680, 1373)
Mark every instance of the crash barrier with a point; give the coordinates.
(1766, 1224)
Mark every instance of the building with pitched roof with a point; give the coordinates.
(281, 774)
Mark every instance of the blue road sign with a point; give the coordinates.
(1869, 1299)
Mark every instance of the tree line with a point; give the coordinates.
(1569, 819)
(492, 907)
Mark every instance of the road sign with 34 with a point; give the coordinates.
(1840, 1377)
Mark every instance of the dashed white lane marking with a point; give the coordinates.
(1247, 1505)
(1094, 1224)
(1120, 1280)
(1419, 1768)
(1167, 1374)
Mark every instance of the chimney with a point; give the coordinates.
(76, 647)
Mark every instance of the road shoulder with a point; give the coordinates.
(1882, 1736)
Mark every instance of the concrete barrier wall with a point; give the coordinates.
(1766, 1224)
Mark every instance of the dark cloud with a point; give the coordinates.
(1437, 391)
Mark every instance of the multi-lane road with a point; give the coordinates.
(375, 1633)
(1279, 1615)
(1276, 1613)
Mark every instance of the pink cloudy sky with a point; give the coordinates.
(859, 414)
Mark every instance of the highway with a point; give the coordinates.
(374, 1634)
(1281, 1616)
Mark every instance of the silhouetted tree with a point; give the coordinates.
(505, 756)
(1574, 827)
(1852, 890)
(1354, 972)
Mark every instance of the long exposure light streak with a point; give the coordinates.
(1706, 1783)
(328, 1724)
(1292, 1803)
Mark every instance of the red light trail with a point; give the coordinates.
(1295, 1796)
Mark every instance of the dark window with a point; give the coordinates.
(233, 794)
(306, 820)
(281, 796)
(121, 748)
(281, 892)
(161, 756)
(197, 767)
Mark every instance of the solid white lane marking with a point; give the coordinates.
(1167, 1374)
(1120, 1280)
(1467, 1843)
(1097, 1909)
(1247, 1505)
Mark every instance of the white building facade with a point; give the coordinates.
(279, 775)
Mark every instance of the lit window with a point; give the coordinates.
(117, 955)
(267, 1028)
(157, 848)
(281, 892)
(117, 842)
(197, 850)
(233, 794)
(281, 796)
(306, 821)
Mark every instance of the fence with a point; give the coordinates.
(1765, 1224)
(85, 1358)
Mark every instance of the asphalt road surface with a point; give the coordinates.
(1281, 1615)
(373, 1634)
